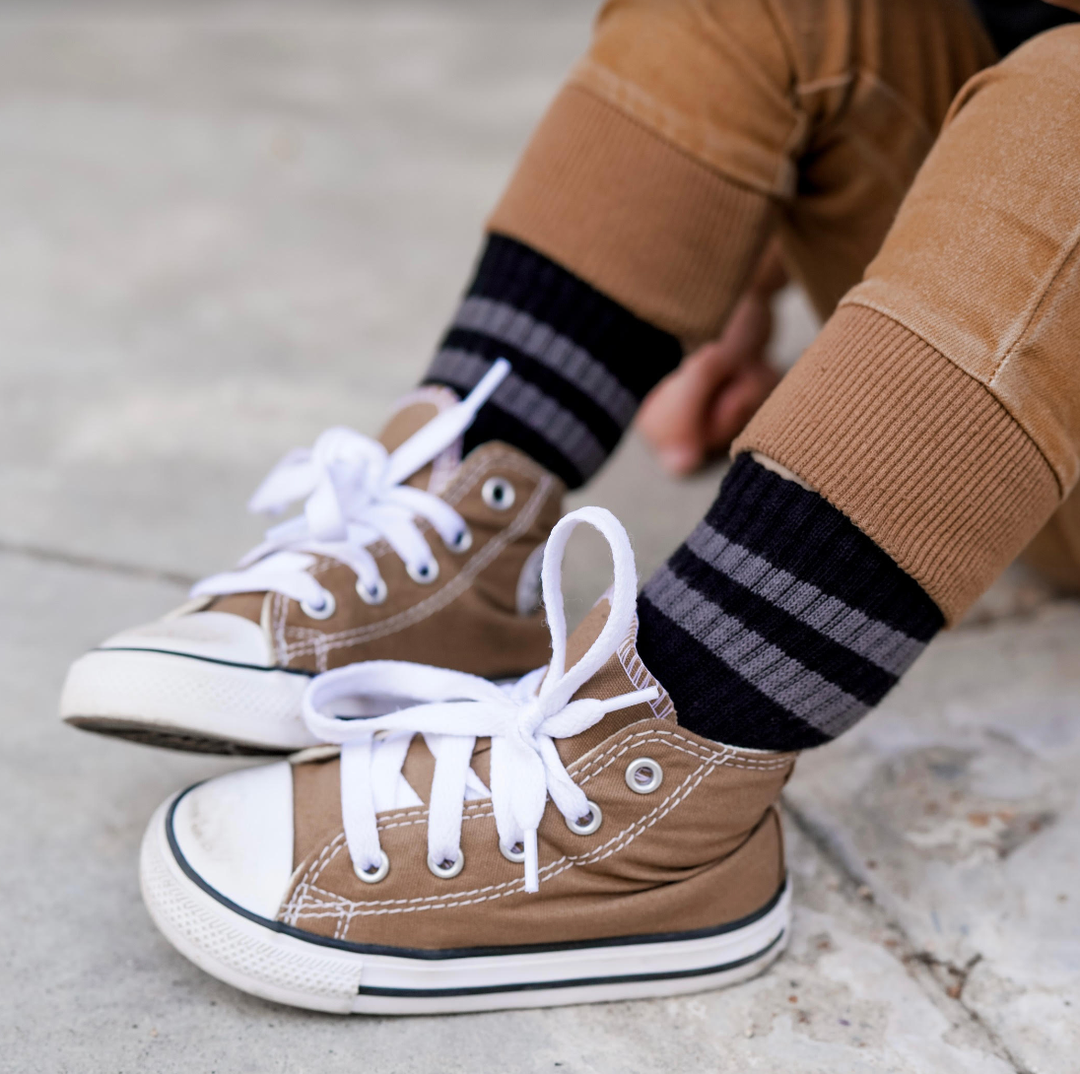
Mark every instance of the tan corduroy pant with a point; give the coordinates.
(940, 406)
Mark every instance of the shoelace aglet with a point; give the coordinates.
(532, 861)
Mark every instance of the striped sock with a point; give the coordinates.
(778, 623)
(581, 363)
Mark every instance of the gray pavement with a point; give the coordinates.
(226, 226)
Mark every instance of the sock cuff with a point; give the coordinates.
(778, 624)
(553, 305)
(784, 524)
(581, 362)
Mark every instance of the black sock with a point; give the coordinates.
(778, 623)
(581, 362)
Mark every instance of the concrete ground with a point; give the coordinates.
(224, 227)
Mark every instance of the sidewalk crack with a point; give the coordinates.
(947, 978)
(95, 563)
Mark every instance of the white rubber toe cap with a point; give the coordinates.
(210, 635)
(236, 834)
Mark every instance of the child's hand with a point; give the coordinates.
(693, 414)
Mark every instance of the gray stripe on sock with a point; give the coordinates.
(525, 402)
(770, 670)
(890, 649)
(574, 364)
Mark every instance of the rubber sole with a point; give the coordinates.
(186, 702)
(286, 965)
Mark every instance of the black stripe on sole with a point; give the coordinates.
(573, 982)
(204, 659)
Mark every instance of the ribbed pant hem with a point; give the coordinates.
(917, 453)
(662, 234)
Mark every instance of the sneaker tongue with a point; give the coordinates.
(413, 412)
(621, 674)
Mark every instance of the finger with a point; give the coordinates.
(676, 416)
(673, 415)
(736, 405)
(747, 333)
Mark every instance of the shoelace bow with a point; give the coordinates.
(452, 709)
(353, 494)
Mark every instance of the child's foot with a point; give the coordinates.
(614, 856)
(416, 555)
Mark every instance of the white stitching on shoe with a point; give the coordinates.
(589, 768)
(662, 707)
(280, 610)
(495, 891)
(308, 900)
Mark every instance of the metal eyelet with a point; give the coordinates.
(424, 573)
(462, 542)
(498, 494)
(376, 594)
(513, 853)
(644, 775)
(323, 611)
(444, 871)
(375, 875)
(589, 823)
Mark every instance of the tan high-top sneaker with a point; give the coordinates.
(558, 841)
(403, 550)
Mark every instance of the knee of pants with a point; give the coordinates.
(983, 259)
(712, 77)
(1043, 69)
(1044, 52)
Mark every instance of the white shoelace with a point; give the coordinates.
(353, 495)
(452, 709)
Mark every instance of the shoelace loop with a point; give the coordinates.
(353, 494)
(452, 709)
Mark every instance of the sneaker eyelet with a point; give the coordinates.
(513, 853)
(323, 611)
(444, 871)
(423, 573)
(644, 775)
(374, 595)
(589, 823)
(462, 542)
(375, 875)
(498, 494)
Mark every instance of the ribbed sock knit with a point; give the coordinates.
(778, 623)
(581, 362)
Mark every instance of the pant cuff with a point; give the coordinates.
(917, 453)
(642, 221)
